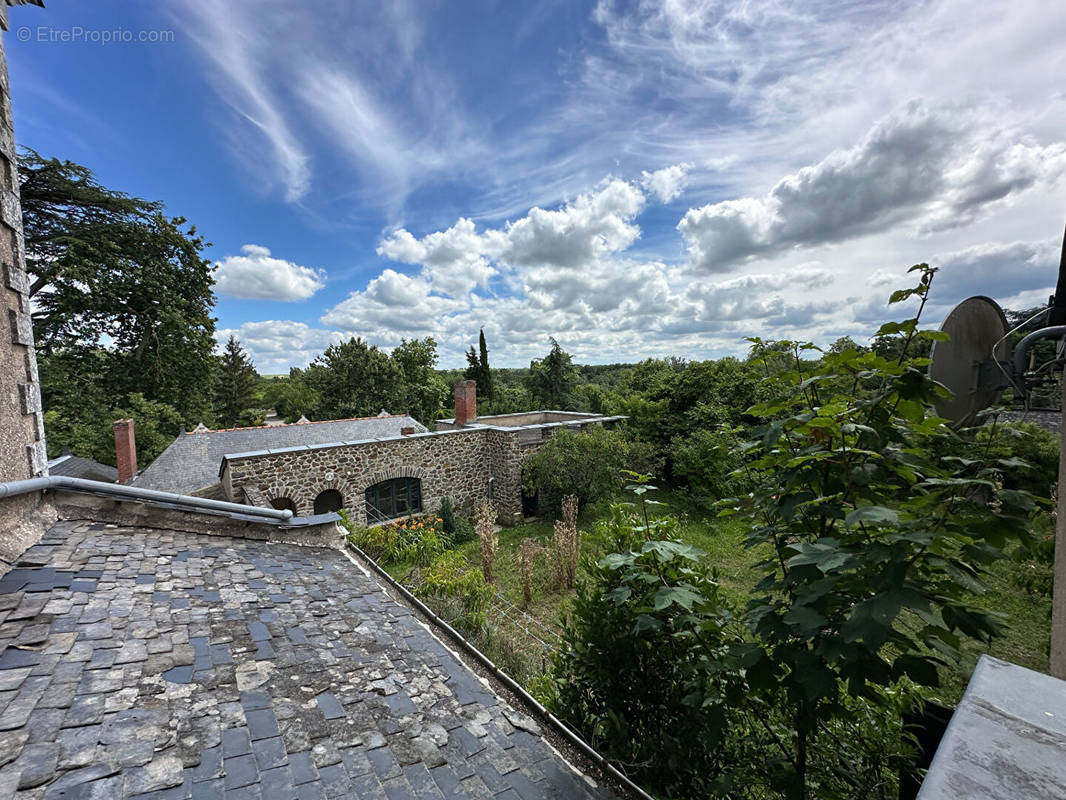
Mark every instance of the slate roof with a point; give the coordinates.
(192, 460)
(158, 664)
(77, 467)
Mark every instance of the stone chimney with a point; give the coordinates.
(125, 450)
(465, 402)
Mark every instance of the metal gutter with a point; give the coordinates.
(549, 719)
(282, 518)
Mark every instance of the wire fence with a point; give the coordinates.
(537, 632)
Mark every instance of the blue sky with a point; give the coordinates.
(636, 179)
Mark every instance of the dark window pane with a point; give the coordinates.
(396, 497)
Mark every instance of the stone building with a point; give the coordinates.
(22, 450)
(467, 459)
(191, 462)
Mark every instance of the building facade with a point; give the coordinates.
(477, 460)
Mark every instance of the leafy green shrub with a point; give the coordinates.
(252, 417)
(1035, 559)
(587, 465)
(464, 531)
(705, 461)
(415, 539)
(381, 543)
(458, 591)
(1032, 452)
(877, 548)
(425, 545)
(636, 670)
(447, 517)
(542, 687)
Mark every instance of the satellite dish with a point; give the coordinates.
(965, 363)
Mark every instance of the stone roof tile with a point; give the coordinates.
(156, 663)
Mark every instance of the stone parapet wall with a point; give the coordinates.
(456, 465)
(76, 506)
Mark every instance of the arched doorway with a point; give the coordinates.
(327, 501)
(283, 504)
(394, 498)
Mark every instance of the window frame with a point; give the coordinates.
(395, 497)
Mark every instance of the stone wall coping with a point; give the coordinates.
(594, 418)
(469, 428)
(327, 445)
(575, 414)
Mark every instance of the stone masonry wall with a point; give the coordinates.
(456, 464)
(22, 451)
(453, 463)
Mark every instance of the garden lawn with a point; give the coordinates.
(1024, 642)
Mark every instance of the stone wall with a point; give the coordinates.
(22, 451)
(454, 464)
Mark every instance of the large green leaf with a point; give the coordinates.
(872, 515)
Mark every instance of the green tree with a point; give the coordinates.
(478, 370)
(588, 465)
(121, 293)
(636, 672)
(423, 388)
(235, 390)
(553, 379)
(292, 397)
(85, 427)
(876, 546)
(70, 220)
(706, 461)
(355, 379)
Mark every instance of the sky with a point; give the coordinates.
(635, 179)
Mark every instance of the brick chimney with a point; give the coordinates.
(465, 402)
(407, 431)
(125, 450)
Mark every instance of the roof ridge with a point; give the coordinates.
(291, 424)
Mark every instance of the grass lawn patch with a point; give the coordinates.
(530, 630)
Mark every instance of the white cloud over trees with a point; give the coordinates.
(257, 275)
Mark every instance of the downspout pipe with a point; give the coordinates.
(150, 496)
(1021, 350)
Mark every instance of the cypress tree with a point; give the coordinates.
(485, 388)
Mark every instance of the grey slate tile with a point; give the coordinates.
(173, 677)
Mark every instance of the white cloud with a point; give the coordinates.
(594, 225)
(565, 272)
(275, 345)
(1000, 270)
(257, 275)
(393, 304)
(237, 46)
(864, 137)
(943, 168)
(666, 184)
(453, 258)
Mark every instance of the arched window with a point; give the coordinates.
(329, 500)
(394, 498)
(283, 504)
